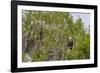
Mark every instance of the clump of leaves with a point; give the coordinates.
(39, 57)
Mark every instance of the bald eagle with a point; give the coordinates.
(69, 44)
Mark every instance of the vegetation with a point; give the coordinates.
(45, 37)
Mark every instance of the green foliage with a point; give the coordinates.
(43, 31)
(39, 57)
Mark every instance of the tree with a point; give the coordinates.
(44, 31)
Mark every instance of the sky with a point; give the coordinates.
(84, 16)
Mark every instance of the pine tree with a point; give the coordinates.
(45, 33)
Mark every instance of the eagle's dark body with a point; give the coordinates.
(70, 44)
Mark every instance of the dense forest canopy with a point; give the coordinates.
(45, 37)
